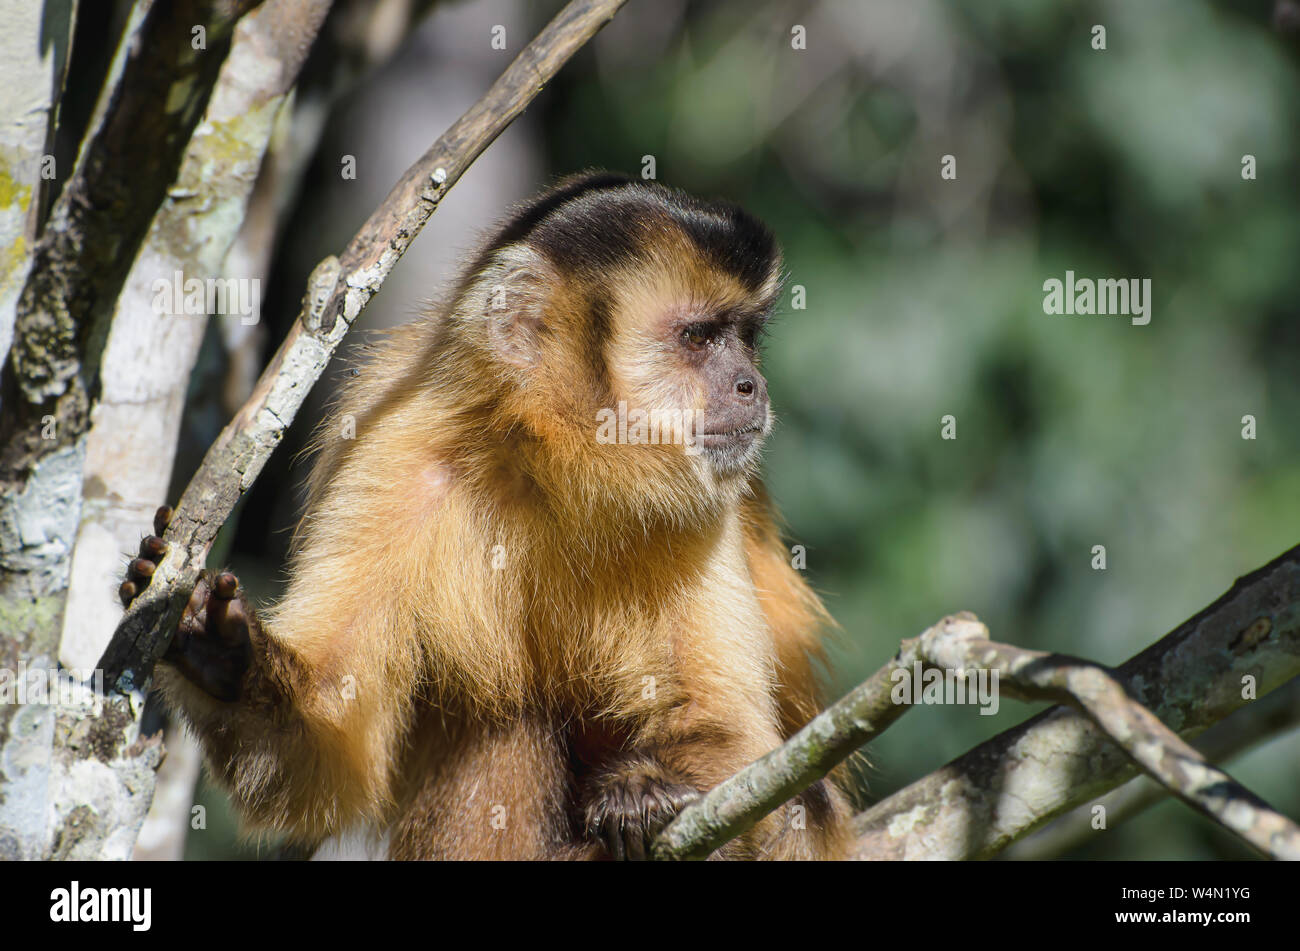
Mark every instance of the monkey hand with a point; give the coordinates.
(212, 645)
(632, 804)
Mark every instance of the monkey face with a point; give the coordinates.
(685, 343)
(632, 313)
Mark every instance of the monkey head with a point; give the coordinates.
(625, 319)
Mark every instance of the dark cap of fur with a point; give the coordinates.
(594, 222)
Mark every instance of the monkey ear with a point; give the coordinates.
(514, 308)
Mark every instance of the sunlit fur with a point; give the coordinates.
(476, 580)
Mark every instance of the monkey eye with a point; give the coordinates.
(697, 336)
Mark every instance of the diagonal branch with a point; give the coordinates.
(1262, 722)
(1172, 762)
(736, 804)
(337, 291)
(1244, 645)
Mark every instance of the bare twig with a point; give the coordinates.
(1245, 644)
(337, 291)
(1264, 720)
(733, 806)
(1036, 675)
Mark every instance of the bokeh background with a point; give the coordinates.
(923, 298)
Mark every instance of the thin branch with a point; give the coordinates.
(1172, 762)
(1261, 722)
(1246, 644)
(735, 805)
(337, 291)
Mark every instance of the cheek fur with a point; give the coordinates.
(649, 376)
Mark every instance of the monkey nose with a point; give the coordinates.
(748, 387)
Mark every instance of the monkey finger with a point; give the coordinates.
(637, 839)
(153, 548)
(194, 619)
(614, 838)
(679, 797)
(161, 519)
(140, 571)
(604, 826)
(127, 593)
(225, 586)
(227, 621)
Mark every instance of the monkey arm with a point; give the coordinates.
(266, 720)
(293, 715)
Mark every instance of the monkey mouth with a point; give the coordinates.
(739, 434)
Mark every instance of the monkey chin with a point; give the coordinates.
(730, 445)
(733, 454)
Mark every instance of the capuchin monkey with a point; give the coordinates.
(539, 603)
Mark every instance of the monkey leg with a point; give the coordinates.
(490, 791)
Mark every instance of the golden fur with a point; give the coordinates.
(479, 592)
